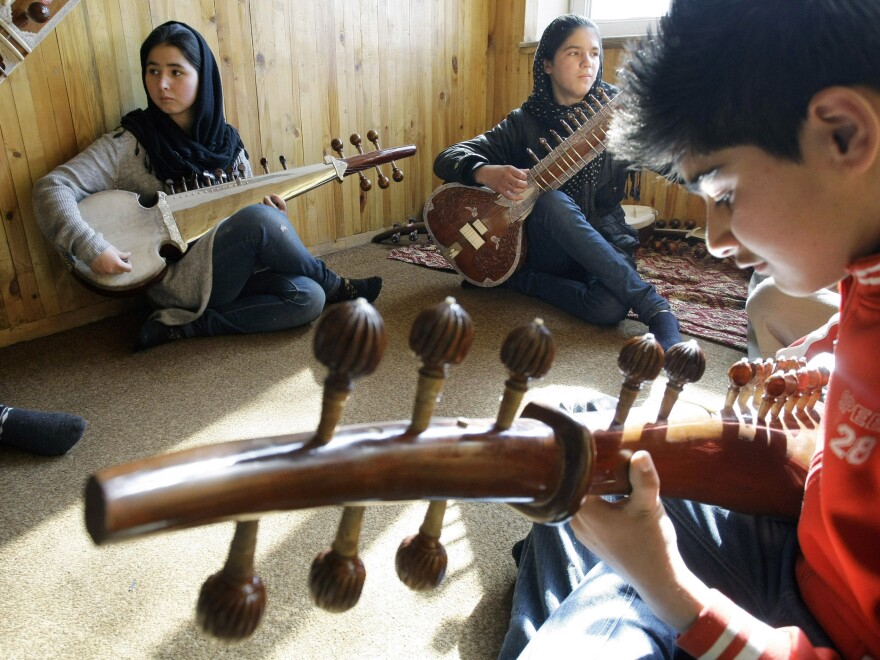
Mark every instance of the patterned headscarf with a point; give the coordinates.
(214, 143)
(543, 106)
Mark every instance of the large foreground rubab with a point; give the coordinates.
(751, 456)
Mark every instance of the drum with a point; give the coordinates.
(641, 218)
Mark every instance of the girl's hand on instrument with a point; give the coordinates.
(636, 538)
(506, 180)
(111, 261)
(275, 202)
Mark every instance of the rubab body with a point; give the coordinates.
(179, 218)
(751, 456)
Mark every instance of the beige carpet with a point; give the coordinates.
(63, 597)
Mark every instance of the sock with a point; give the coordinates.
(46, 433)
(350, 289)
(664, 326)
(153, 333)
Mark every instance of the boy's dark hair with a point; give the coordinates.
(173, 34)
(725, 73)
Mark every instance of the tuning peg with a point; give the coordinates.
(350, 341)
(396, 173)
(283, 161)
(684, 363)
(545, 144)
(774, 388)
(440, 335)
(242, 170)
(169, 186)
(220, 175)
(533, 156)
(791, 384)
(528, 353)
(366, 184)
(640, 359)
(232, 601)
(265, 165)
(739, 374)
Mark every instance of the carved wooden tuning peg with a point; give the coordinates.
(441, 335)
(232, 601)
(350, 341)
(739, 375)
(527, 352)
(684, 363)
(640, 359)
(396, 174)
(366, 184)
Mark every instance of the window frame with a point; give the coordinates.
(613, 29)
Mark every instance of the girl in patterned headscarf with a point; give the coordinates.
(251, 273)
(580, 249)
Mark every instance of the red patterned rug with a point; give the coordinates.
(708, 296)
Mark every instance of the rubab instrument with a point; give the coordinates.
(480, 232)
(177, 219)
(751, 456)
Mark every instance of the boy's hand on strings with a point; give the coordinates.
(636, 538)
(275, 202)
(111, 261)
(506, 180)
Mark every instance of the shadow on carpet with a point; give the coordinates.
(707, 295)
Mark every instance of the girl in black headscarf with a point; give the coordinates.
(251, 273)
(580, 249)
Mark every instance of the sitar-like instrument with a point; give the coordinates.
(179, 218)
(480, 232)
(750, 456)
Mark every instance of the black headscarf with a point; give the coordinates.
(543, 106)
(172, 153)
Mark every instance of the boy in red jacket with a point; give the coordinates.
(769, 109)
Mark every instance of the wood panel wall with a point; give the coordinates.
(295, 75)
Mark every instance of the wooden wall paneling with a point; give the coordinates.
(79, 65)
(236, 60)
(10, 295)
(418, 113)
(36, 131)
(17, 193)
(389, 28)
(346, 113)
(314, 79)
(370, 73)
(135, 25)
(100, 37)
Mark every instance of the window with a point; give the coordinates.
(615, 18)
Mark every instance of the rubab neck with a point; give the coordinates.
(583, 144)
(197, 211)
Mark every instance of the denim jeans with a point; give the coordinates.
(567, 603)
(264, 278)
(573, 267)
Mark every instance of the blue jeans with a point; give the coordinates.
(567, 603)
(571, 266)
(264, 278)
